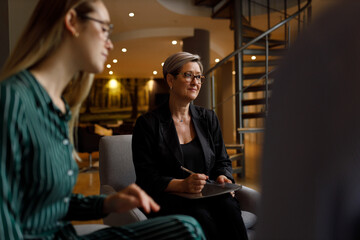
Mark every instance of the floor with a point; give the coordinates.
(88, 183)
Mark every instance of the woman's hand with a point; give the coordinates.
(195, 183)
(223, 179)
(130, 197)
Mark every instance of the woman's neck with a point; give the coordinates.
(54, 74)
(179, 110)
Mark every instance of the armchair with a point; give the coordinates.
(117, 171)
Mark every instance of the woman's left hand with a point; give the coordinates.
(223, 179)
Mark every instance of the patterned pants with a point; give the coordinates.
(161, 228)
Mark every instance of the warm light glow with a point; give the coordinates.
(253, 57)
(174, 42)
(233, 72)
(162, 64)
(108, 66)
(124, 50)
(113, 83)
(151, 84)
(154, 72)
(111, 72)
(131, 14)
(217, 60)
(115, 61)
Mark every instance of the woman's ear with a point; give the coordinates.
(169, 80)
(71, 22)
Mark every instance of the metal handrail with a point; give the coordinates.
(224, 60)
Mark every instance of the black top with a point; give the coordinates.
(193, 156)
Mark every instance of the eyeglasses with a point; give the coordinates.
(107, 30)
(189, 76)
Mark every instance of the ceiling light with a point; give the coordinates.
(217, 60)
(124, 50)
(154, 72)
(115, 61)
(131, 14)
(253, 57)
(111, 72)
(108, 66)
(162, 64)
(174, 42)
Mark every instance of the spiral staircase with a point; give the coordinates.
(258, 51)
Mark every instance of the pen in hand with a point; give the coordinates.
(191, 172)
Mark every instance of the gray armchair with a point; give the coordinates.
(117, 171)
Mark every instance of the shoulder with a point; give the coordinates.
(203, 113)
(15, 86)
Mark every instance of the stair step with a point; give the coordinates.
(257, 88)
(253, 115)
(262, 42)
(236, 157)
(206, 3)
(272, 52)
(256, 101)
(260, 63)
(237, 170)
(250, 76)
(236, 146)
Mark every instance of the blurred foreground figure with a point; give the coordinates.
(310, 169)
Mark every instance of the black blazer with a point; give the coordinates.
(157, 153)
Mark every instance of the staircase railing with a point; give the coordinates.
(253, 41)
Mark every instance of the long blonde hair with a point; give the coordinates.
(42, 35)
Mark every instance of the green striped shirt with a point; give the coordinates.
(37, 169)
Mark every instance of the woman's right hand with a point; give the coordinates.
(195, 183)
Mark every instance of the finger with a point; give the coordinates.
(199, 176)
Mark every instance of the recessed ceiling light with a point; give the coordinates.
(131, 14)
(114, 60)
(124, 50)
(162, 64)
(253, 57)
(217, 60)
(108, 66)
(111, 72)
(174, 42)
(154, 72)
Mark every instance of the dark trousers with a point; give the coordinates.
(220, 216)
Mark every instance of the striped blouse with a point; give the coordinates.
(37, 170)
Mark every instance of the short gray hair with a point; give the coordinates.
(175, 62)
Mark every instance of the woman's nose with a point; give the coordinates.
(109, 44)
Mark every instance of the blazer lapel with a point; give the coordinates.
(201, 129)
(169, 133)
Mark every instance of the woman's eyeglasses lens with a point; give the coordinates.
(190, 76)
(107, 30)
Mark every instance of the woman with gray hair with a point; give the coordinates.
(179, 134)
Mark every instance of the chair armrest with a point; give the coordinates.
(119, 219)
(249, 199)
(107, 189)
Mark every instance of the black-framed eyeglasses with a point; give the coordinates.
(107, 30)
(189, 76)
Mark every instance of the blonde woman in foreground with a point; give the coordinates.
(42, 87)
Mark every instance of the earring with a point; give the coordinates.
(170, 88)
(76, 34)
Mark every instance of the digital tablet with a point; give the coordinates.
(211, 190)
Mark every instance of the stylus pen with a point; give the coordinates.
(187, 170)
(191, 172)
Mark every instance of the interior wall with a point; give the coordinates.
(224, 88)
